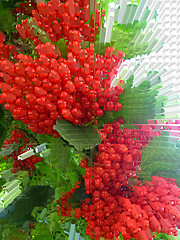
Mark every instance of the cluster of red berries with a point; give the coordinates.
(60, 18)
(27, 164)
(63, 208)
(24, 8)
(160, 200)
(5, 49)
(119, 154)
(154, 207)
(31, 224)
(40, 91)
(117, 204)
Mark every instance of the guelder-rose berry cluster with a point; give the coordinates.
(119, 154)
(154, 207)
(40, 91)
(24, 8)
(120, 203)
(62, 208)
(60, 18)
(160, 200)
(5, 49)
(27, 164)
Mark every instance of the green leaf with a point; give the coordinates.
(14, 235)
(138, 103)
(108, 117)
(59, 156)
(54, 225)
(42, 232)
(6, 20)
(62, 47)
(79, 137)
(42, 138)
(53, 217)
(72, 176)
(160, 158)
(35, 210)
(46, 175)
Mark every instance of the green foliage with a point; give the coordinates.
(60, 167)
(10, 3)
(80, 226)
(8, 125)
(76, 157)
(42, 231)
(59, 191)
(44, 138)
(3, 125)
(55, 226)
(79, 137)
(44, 175)
(6, 20)
(60, 156)
(62, 47)
(9, 231)
(138, 103)
(164, 236)
(122, 39)
(2, 163)
(2, 182)
(21, 208)
(58, 229)
(160, 158)
(100, 48)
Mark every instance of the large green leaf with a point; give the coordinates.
(160, 158)
(60, 156)
(138, 103)
(6, 20)
(79, 137)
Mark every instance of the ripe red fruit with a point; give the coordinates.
(122, 148)
(84, 163)
(69, 87)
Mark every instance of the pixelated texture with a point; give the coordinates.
(123, 38)
(80, 138)
(150, 203)
(131, 197)
(158, 158)
(138, 102)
